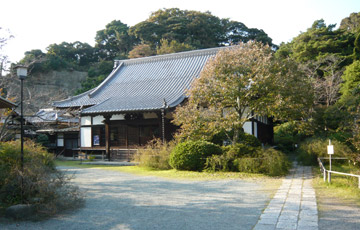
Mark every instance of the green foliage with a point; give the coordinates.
(243, 158)
(191, 155)
(350, 88)
(312, 148)
(45, 187)
(243, 138)
(167, 47)
(228, 160)
(141, 50)
(155, 155)
(96, 74)
(42, 139)
(274, 162)
(114, 41)
(351, 24)
(319, 41)
(247, 164)
(194, 28)
(288, 134)
(239, 82)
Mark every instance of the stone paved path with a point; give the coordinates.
(294, 205)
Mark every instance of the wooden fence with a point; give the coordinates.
(327, 173)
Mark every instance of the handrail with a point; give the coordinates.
(329, 172)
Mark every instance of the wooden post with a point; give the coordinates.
(359, 182)
(324, 172)
(163, 120)
(107, 136)
(163, 125)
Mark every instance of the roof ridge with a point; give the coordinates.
(71, 98)
(112, 74)
(170, 56)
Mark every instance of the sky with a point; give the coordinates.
(36, 24)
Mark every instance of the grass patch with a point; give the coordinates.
(342, 187)
(170, 174)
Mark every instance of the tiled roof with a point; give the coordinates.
(143, 83)
(6, 104)
(50, 116)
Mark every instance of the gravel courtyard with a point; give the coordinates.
(117, 200)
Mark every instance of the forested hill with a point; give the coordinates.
(328, 56)
(165, 31)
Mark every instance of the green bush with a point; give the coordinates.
(155, 155)
(274, 162)
(191, 155)
(248, 139)
(312, 148)
(287, 135)
(226, 162)
(42, 185)
(254, 160)
(42, 139)
(268, 161)
(249, 165)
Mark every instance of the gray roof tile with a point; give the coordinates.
(143, 83)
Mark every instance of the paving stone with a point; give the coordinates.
(304, 224)
(288, 218)
(271, 215)
(313, 218)
(286, 225)
(294, 205)
(264, 227)
(272, 221)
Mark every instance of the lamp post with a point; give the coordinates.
(21, 72)
(163, 121)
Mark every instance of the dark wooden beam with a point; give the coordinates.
(107, 136)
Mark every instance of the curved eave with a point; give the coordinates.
(119, 111)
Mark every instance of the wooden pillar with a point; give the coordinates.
(163, 125)
(107, 136)
(163, 120)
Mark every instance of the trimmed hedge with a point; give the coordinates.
(191, 155)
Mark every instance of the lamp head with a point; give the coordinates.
(21, 72)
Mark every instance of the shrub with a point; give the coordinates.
(312, 148)
(248, 139)
(155, 155)
(274, 162)
(231, 153)
(191, 155)
(268, 161)
(42, 139)
(45, 187)
(287, 135)
(249, 165)
(253, 160)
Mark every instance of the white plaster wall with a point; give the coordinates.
(85, 120)
(98, 120)
(255, 129)
(248, 127)
(85, 136)
(117, 117)
(150, 116)
(60, 140)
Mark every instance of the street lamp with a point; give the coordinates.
(21, 72)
